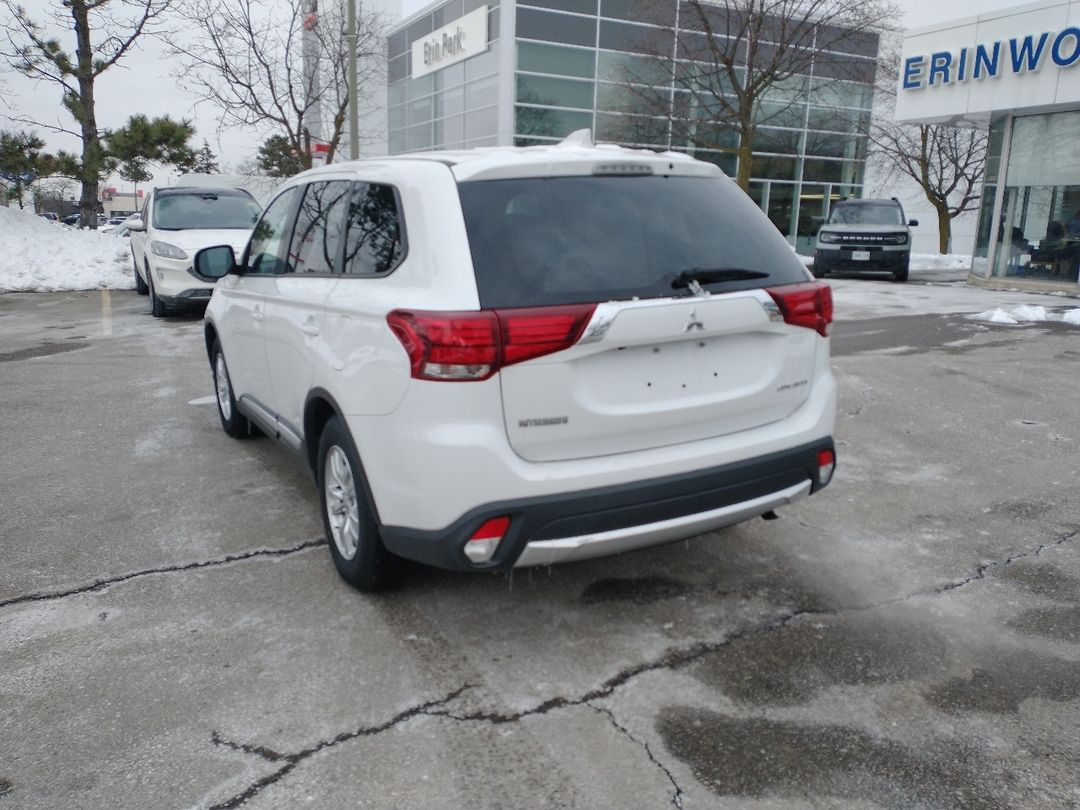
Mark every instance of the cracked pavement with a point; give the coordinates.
(173, 634)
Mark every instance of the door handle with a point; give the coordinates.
(309, 327)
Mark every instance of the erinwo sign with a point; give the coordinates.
(464, 37)
(990, 60)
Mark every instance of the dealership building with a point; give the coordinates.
(463, 74)
(1018, 73)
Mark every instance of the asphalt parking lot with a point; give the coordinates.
(173, 633)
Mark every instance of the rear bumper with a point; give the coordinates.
(598, 522)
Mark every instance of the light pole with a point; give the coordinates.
(354, 118)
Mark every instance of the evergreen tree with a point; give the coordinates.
(22, 162)
(205, 161)
(278, 158)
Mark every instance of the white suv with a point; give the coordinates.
(513, 357)
(176, 222)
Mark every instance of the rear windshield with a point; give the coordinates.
(863, 214)
(563, 240)
(181, 212)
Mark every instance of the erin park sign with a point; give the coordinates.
(455, 42)
(990, 60)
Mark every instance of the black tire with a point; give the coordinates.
(233, 422)
(157, 306)
(369, 566)
(140, 285)
(819, 272)
(901, 275)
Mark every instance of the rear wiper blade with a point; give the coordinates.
(711, 275)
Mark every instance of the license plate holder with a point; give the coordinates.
(860, 255)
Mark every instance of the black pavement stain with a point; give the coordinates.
(1013, 679)
(801, 660)
(5, 787)
(754, 757)
(1044, 580)
(1024, 510)
(1056, 621)
(1060, 622)
(638, 590)
(42, 350)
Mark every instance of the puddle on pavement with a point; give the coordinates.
(754, 757)
(637, 590)
(43, 350)
(795, 664)
(1014, 678)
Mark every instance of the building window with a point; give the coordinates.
(1039, 230)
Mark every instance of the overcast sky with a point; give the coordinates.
(143, 83)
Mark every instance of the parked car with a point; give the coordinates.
(110, 224)
(123, 227)
(517, 357)
(71, 219)
(176, 222)
(865, 235)
(49, 215)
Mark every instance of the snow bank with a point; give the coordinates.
(1027, 314)
(38, 256)
(940, 261)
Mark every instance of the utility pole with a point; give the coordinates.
(354, 117)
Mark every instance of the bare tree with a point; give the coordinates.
(736, 65)
(246, 57)
(946, 162)
(104, 32)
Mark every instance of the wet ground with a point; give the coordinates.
(173, 634)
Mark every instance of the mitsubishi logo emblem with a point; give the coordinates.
(694, 323)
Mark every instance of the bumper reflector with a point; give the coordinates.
(485, 540)
(826, 460)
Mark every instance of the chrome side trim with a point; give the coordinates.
(584, 547)
(257, 413)
(268, 422)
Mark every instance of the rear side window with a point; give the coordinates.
(320, 224)
(374, 232)
(563, 240)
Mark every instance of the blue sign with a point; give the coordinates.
(991, 60)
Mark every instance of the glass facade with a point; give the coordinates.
(589, 64)
(452, 108)
(1038, 235)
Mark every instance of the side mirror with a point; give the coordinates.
(913, 223)
(137, 225)
(215, 262)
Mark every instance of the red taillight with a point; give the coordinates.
(826, 460)
(808, 305)
(485, 541)
(474, 345)
(494, 529)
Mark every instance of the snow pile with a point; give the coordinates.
(1027, 314)
(36, 255)
(940, 261)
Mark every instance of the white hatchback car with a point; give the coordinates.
(513, 357)
(176, 222)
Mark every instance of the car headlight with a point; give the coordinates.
(167, 251)
(829, 238)
(900, 239)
